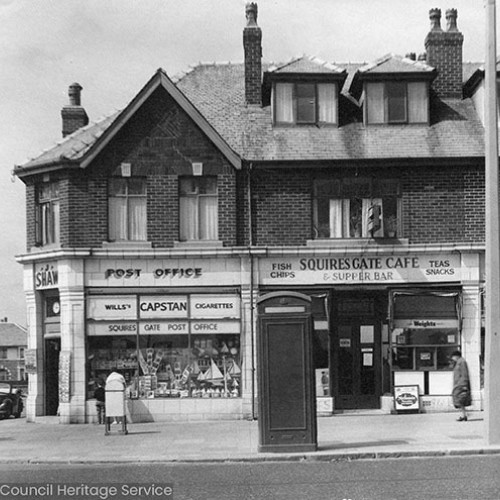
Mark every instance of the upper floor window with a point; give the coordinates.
(3, 353)
(396, 102)
(198, 210)
(305, 103)
(21, 353)
(47, 214)
(357, 207)
(127, 209)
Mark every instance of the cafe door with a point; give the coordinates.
(52, 349)
(358, 365)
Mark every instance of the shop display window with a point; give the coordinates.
(182, 366)
(108, 352)
(425, 349)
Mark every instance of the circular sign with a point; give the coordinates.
(56, 307)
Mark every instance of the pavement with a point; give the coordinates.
(340, 437)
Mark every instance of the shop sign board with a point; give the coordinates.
(112, 307)
(162, 272)
(163, 327)
(360, 269)
(110, 328)
(46, 276)
(215, 327)
(422, 324)
(30, 360)
(163, 306)
(215, 306)
(406, 398)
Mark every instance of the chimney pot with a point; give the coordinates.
(451, 20)
(251, 13)
(435, 17)
(74, 92)
(412, 56)
(73, 115)
(422, 56)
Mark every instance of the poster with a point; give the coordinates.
(406, 398)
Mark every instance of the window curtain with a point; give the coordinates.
(188, 213)
(327, 102)
(137, 219)
(284, 103)
(418, 105)
(336, 218)
(117, 218)
(208, 218)
(374, 100)
(55, 221)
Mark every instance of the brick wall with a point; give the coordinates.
(281, 207)
(439, 205)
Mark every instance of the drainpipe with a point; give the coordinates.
(250, 253)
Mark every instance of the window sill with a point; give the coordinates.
(127, 245)
(45, 248)
(198, 244)
(356, 242)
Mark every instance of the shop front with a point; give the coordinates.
(385, 319)
(178, 329)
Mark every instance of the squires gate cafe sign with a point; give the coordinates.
(360, 269)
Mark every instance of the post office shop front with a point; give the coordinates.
(170, 349)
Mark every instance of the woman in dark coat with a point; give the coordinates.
(461, 385)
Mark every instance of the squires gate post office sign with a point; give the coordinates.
(360, 269)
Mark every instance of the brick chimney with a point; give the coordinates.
(444, 52)
(73, 115)
(252, 45)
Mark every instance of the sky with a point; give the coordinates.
(113, 47)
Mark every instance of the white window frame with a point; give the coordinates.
(288, 91)
(377, 101)
(47, 214)
(192, 203)
(131, 230)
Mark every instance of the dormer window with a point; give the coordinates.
(396, 102)
(304, 103)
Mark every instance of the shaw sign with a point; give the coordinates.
(46, 276)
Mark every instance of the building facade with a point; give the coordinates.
(152, 233)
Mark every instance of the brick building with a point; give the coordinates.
(152, 233)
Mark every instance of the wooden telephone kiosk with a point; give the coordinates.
(287, 400)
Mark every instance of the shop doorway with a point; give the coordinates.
(52, 349)
(356, 363)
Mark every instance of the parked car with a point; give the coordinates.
(11, 401)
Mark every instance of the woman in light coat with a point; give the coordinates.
(461, 385)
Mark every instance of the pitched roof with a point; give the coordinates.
(12, 335)
(455, 131)
(306, 64)
(393, 63)
(214, 94)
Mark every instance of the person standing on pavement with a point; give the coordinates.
(99, 395)
(461, 385)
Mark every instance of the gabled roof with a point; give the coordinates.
(306, 65)
(393, 63)
(12, 335)
(85, 144)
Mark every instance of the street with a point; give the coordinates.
(471, 478)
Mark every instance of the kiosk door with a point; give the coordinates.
(358, 367)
